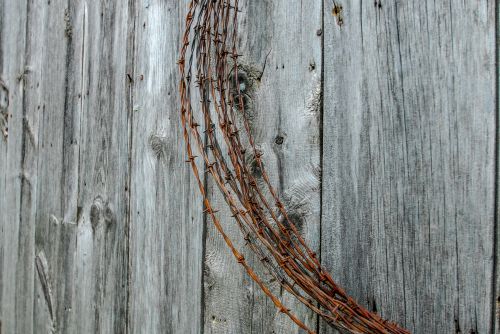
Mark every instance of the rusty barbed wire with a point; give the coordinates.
(213, 94)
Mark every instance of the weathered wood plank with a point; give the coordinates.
(44, 130)
(166, 227)
(409, 137)
(77, 92)
(281, 73)
(16, 233)
(101, 294)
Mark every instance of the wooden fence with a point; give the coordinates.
(378, 124)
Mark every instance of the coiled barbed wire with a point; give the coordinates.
(209, 45)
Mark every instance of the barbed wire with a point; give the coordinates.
(213, 93)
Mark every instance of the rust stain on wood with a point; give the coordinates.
(337, 11)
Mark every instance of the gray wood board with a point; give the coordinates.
(409, 160)
(166, 228)
(279, 39)
(16, 206)
(80, 90)
(69, 241)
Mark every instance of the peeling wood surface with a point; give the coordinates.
(102, 229)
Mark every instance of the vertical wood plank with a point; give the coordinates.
(44, 126)
(104, 173)
(281, 71)
(166, 231)
(77, 93)
(409, 138)
(16, 233)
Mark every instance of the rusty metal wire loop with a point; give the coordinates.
(209, 46)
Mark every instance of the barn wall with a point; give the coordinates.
(378, 124)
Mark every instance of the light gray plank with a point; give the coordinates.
(16, 205)
(101, 268)
(279, 38)
(166, 227)
(78, 90)
(45, 96)
(409, 138)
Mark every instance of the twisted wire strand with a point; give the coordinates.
(209, 46)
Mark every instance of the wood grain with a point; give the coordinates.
(282, 77)
(52, 135)
(166, 227)
(16, 205)
(104, 171)
(409, 160)
(74, 157)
